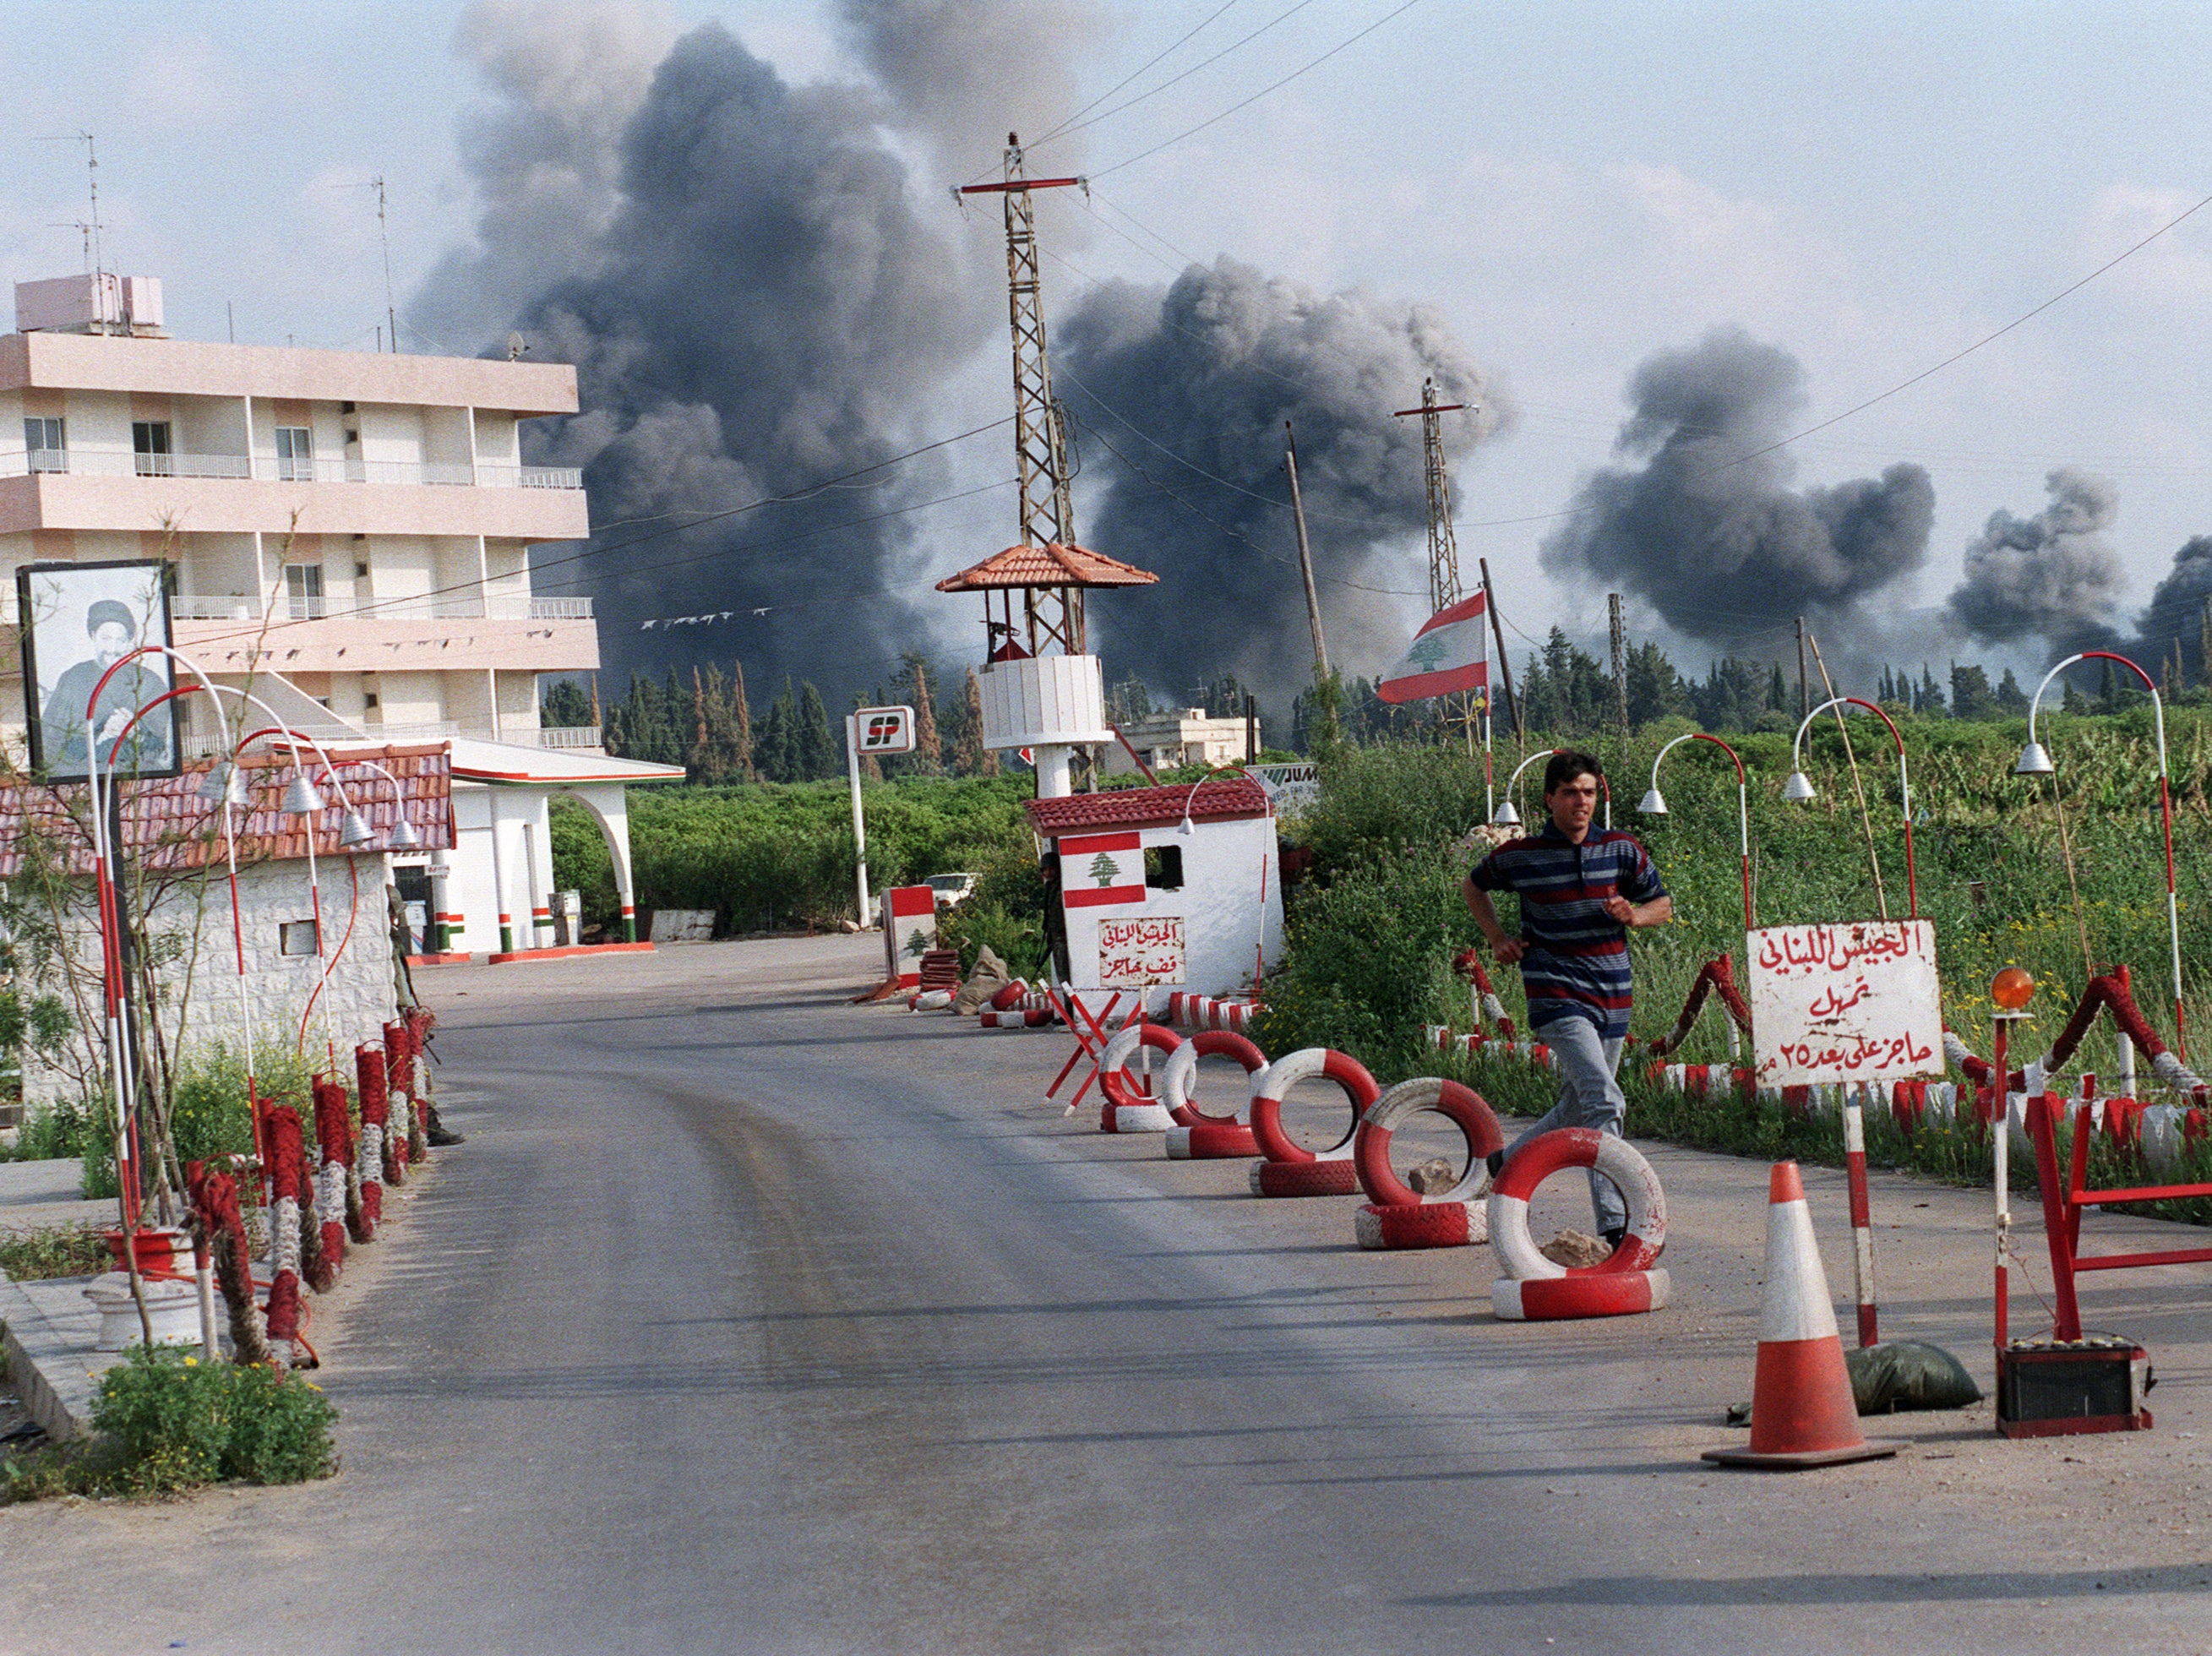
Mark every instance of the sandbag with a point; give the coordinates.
(1899, 1374)
(991, 975)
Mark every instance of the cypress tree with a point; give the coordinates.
(928, 757)
(816, 754)
(741, 726)
(975, 759)
(775, 752)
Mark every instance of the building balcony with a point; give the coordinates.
(55, 488)
(381, 641)
(442, 607)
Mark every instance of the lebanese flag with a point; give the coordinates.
(1100, 870)
(1451, 653)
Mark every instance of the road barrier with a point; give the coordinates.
(1291, 1170)
(1536, 1288)
(1127, 1107)
(1396, 1216)
(1197, 1136)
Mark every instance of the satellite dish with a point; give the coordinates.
(516, 346)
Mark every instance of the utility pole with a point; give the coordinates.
(1505, 661)
(1306, 551)
(1047, 518)
(1804, 701)
(1620, 667)
(1443, 551)
(2204, 642)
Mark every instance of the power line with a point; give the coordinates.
(1141, 97)
(1069, 124)
(1271, 87)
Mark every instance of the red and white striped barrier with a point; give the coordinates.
(1538, 1289)
(1187, 1011)
(1197, 1135)
(1395, 1215)
(1444, 1039)
(1292, 1169)
(1025, 1018)
(1124, 1109)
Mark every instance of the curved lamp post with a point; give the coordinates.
(1799, 788)
(1655, 805)
(225, 787)
(1505, 815)
(2035, 761)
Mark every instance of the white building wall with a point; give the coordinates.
(358, 999)
(1230, 901)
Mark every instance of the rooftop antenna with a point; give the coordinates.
(79, 225)
(384, 235)
(95, 255)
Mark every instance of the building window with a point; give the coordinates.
(1163, 867)
(296, 938)
(295, 455)
(149, 448)
(45, 440)
(303, 591)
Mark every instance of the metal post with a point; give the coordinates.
(859, 825)
(1306, 551)
(1505, 661)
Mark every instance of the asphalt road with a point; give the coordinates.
(747, 1321)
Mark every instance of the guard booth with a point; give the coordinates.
(1165, 886)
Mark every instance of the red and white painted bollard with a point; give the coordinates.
(288, 1160)
(399, 1088)
(1855, 1168)
(334, 1138)
(368, 1160)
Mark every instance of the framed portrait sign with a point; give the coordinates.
(79, 620)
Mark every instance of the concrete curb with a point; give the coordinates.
(51, 1329)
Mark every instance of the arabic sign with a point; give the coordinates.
(1856, 1002)
(1138, 954)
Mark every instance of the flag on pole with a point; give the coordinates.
(1451, 653)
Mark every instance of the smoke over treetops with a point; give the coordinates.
(1720, 545)
(1209, 369)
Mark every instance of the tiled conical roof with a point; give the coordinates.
(1049, 565)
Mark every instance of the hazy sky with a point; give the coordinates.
(1871, 187)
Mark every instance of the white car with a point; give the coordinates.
(952, 889)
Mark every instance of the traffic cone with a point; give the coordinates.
(1802, 1411)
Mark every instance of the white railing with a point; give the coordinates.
(571, 736)
(238, 607)
(110, 463)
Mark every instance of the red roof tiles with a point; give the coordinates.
(1049, 565)
(1219, 799)
(167, 825)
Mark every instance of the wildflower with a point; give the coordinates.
(191, 1362)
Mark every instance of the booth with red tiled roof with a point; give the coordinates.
(1145, 878)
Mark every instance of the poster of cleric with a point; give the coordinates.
(82, 624)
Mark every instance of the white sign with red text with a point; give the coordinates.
(1140, 953)
(1855, 1002)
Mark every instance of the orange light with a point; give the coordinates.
(2012, 989)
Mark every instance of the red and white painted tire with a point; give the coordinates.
(1210, 1140)
(1583, 1291)
(1124, 1108)
(1430, 1224)
(1462, 1106)
(1181, 1076)
(1566, 1299)
(987, 1019)
(1266, 1108)
(930, 1000)
(1335, 1177)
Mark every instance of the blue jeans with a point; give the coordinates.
(1589, 1097)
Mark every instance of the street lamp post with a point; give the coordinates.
(1799, 788)
(2035, 761)
(1655, 805)
(1506, 815)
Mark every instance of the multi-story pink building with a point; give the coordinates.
(351, 534)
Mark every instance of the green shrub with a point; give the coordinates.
(53, 1251)
(280, 1428)
(168, 1417)
(67, 1127)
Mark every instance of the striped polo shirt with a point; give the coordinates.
(1577, 960)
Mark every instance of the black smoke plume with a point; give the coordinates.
(1208, 370)
(1720, 544)
(759, 297)
(2050, 576)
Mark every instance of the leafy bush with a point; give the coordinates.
(66, 1127)
(53, 1251)
(168, 1421)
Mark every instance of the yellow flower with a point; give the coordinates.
(191, 1362)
